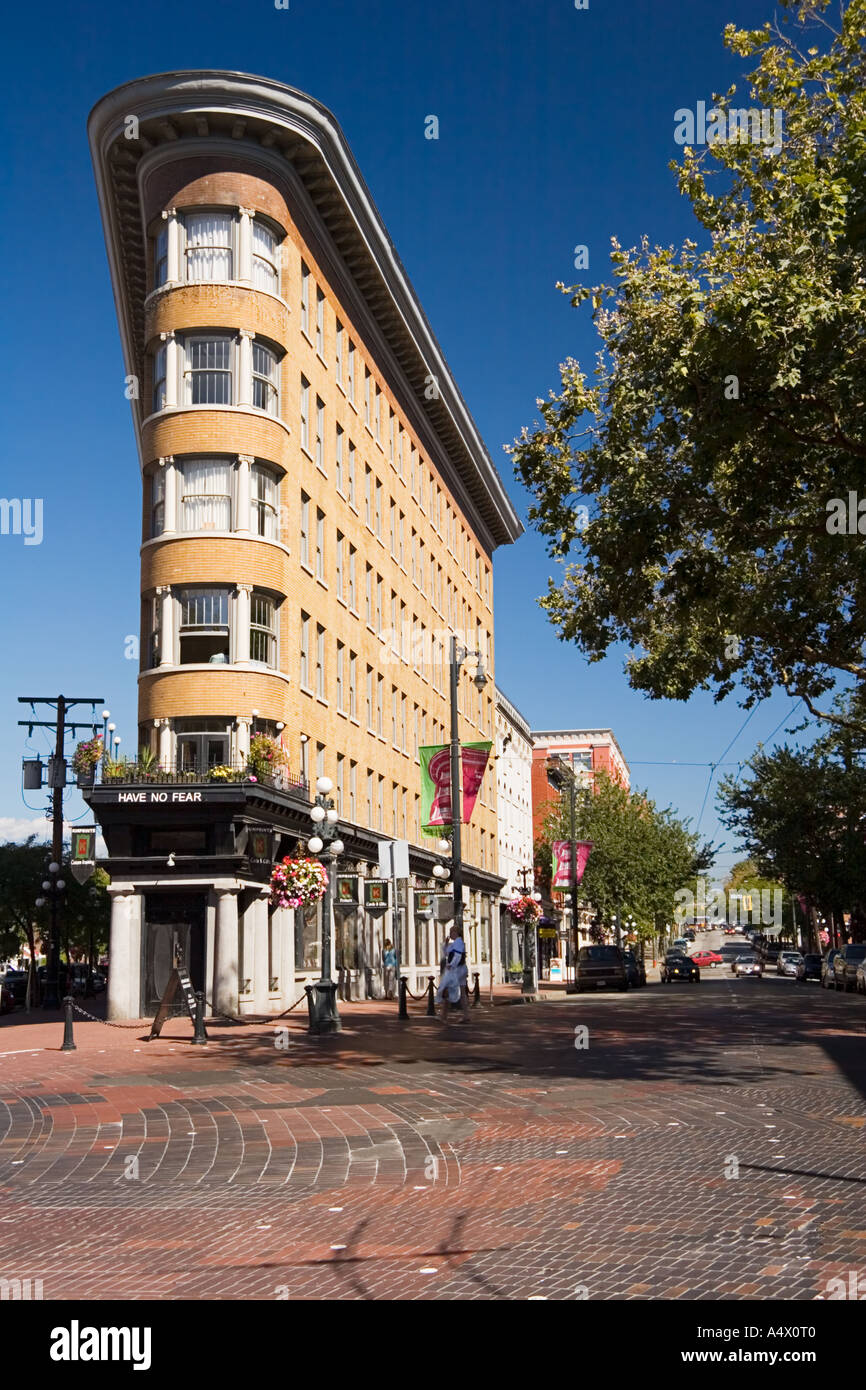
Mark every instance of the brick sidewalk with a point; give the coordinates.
(421, 1160)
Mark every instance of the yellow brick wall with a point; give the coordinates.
(202, 430)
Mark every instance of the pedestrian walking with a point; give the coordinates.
(389, 962)
(453, 981)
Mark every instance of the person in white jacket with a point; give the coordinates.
(453, 981)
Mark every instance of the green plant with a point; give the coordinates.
(147, 760)
(87, 754)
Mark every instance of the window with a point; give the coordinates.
(403, 713)
(320, 759)
(369, 798)
(320, 661)
(263, 630)
(353, 686)
(404, 635)
(208, 372)
(263, 502)
(380, 705)
(368, 496)
(338, 567)
(265, 391)
(370, 725)
(401, 531)
(205, 495)
(204, 626)
(368, 577)
(341, 686)
(351, 478)
(208, 246)
(320, 545)
(160, 258)
(413, 557)
(394, 625)
(402, 453)
(157, 502)
(320, 434)
(305, 299)
(159, 378)
(266, 274)
(395, 812)
(305, 414)
(422, 583)
(380, 804)
(378, 509)
(367, 391)
(338, 353)
(353, 787)
(305, 651)
(351, 371)
(379, 605)
(320, 323)
(153, 610)
(393, 519)
(305, 530)
(338, 462)
(391, 436)
(377, 412)
(352, 585)
(395, 705)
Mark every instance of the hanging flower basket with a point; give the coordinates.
(266, 758)
(85, 758)
(525, 909)
(298, 882)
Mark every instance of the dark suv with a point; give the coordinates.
(845, 967)
(601, 967)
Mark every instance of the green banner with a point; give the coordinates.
(436, 782)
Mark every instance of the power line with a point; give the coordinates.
(713, 766)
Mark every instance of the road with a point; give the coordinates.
(707, 1143)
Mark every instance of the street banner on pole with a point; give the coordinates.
(436, 782)
(83, 858)
(562, 861)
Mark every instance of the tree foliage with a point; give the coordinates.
(686, 488)
(641, 855)
(85, 906)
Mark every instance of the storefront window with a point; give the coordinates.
(307, 955)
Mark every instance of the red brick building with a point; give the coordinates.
(588, 751)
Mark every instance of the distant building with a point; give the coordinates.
(588, 751)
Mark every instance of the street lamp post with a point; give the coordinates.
(53, 888)
(322, 996)
(458, 656)
(529, 953)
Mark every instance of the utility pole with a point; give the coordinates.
(51, 998)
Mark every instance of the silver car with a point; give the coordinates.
(788, 962)
(749, 965)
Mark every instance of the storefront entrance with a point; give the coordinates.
(174, 935)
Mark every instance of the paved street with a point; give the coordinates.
(416, 1161)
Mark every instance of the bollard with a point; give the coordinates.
(403, 1011)
(431, 997)
(200, 1035)
(68, 1040)
(476, 989)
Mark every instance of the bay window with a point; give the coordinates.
(159, 359)
(204, 626)
(266, 275)
(208, 372)
(263, 629)
(263, 502)
(265, 388)
(157, 502)
(209, 238)
(205, 495)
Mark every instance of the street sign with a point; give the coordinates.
(83, 860)
(376, 895)
(394, 858)
(548, 931)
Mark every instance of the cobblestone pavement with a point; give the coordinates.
(493, 1160)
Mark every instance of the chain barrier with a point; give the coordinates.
(252, 1022)
(109, 1023)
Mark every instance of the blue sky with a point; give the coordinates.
(556, 129)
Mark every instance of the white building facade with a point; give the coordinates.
(514, 808)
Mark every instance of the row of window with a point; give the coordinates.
(205, 494)
(205, 247)
(202, 369)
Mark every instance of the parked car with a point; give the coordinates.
(678, 967)
(788, 962)
(634, 969)
(7, 1003)
(705, 957)
(860, 978)
(680, 946)
(809, 968)
(601, 967)
(845, 966)
(16, 983)
(827, 979)
(770, 952)
(689, 934)
(749, 964)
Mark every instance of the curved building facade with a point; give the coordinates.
(319, 515)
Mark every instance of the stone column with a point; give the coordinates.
(225, 981)
(172, 246)
(242, 738)
(260, 972)
(248, 964)
(170, 504)
(242, 517)
(284, 927)
(171, 367)
(242, 623)
(244, 271)
(166, 625)
(245, 367)
(165, 750)
(124, 973)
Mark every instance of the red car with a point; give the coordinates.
(707, 958)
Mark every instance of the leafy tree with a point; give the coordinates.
(641, 855)
(85, 906)
(744, 878)
(687, 488)
(801, 815)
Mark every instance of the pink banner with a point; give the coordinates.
(562, 862)
(473, 761)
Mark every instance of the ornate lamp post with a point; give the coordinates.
(529, 956)
(322, 996)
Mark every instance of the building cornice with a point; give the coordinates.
(272, 119)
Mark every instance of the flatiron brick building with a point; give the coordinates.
(319, 515)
